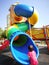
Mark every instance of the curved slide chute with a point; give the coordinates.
(19, 40)
(20, 52)
(23, 10)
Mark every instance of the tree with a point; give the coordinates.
(1, 31)
(4, 34)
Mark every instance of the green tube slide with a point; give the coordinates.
(24, 26)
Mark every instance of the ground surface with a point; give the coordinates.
(7, 59)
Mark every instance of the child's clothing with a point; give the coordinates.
(33, 59)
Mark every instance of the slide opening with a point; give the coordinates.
(19, 40)
(21, 43)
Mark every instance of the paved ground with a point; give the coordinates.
(7, 59)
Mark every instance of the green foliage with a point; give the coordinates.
(4, 34)
(1, 31)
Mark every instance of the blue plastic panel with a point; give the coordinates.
(20, 53)
(23, 10)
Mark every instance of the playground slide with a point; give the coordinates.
(19, 47)
(19, 40)
(19, 52)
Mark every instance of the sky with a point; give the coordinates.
(42, 6)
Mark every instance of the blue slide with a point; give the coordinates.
(20, 52)
(19, 40)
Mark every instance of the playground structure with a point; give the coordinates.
(21, 19)
(41, 34)
(35, 33)
(21, 34)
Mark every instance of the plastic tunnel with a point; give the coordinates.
(19, 42)
(20, 52)
(23, 10)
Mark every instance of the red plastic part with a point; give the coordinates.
(4, 45)
(48, 47)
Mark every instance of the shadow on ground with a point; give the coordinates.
(43, 50)
(43, 63)
(5, 50)
(6, 60)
